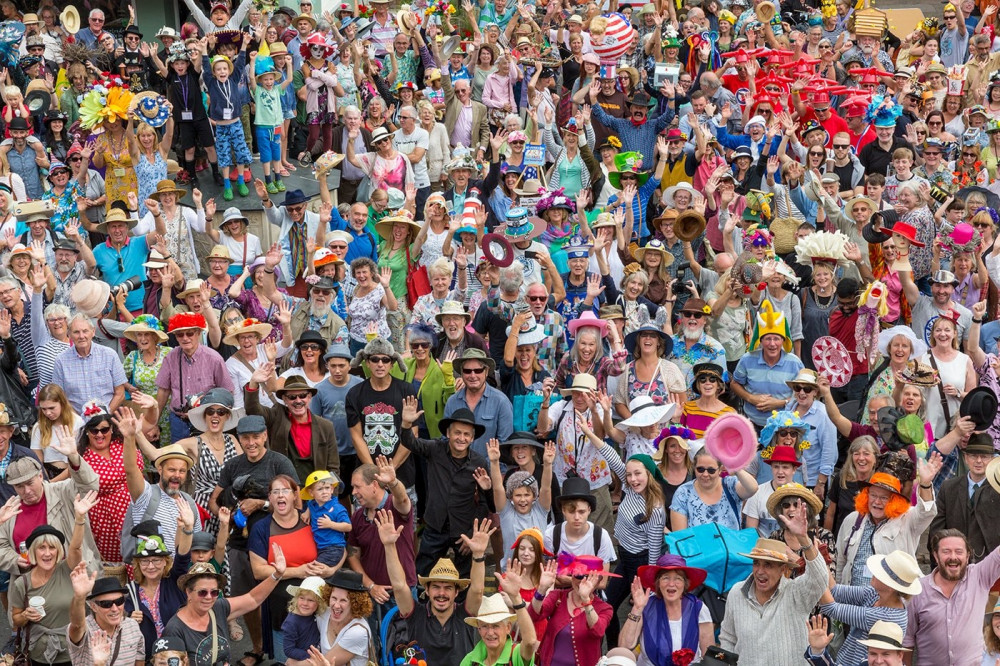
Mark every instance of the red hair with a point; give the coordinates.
(897, 504)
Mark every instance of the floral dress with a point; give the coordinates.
(120, 176)
(345, 76)
(143, 377)
(148, 176)
(250, 304)
(113, 499)
(206, 475)
(363, 310)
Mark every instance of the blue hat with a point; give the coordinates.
(465, 229)
(152, 110)
(779, 420)
(577, 248)
(339, 351)
(251, 425)
(518, 226)
(293, 197)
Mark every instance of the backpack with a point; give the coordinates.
(129, 542)
(557, 538)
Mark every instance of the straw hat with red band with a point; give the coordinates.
(907, 231)
(648, 573)
(535, 534)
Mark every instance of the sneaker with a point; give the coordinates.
(272, 188)
(227, 193)
(242, 189)
(280, 185)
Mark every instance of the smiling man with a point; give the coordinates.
(105, 598)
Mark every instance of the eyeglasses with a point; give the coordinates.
(706, 470)
(473, 371)
(310, 347)
(380, 359)
(280, 492)
(420, 345)
(538, 299)
(185, 334)
(787, 432)
(209, 593)
(934, 122)
(100, 431)
(295, 209)
(110, 603)
(217, 411)
(296, 396)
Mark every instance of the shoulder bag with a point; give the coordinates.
(418, 283)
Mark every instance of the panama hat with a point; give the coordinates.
(145, 324)
(115, 215)
(885, 636)
(794, 490)
(313, 584)
(192, 287)
(220, 252)
(70, 19)
(453, 308)
(768, 550)
(492, 611)
(645, 412)
(898, 570)
(582, 382)
(444, 572)
(216, 397)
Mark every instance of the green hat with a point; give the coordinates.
(650, 465)
(671, 43)
(151, 546)
(630, 162)
(910, 429)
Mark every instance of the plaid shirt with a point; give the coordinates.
(128, 637)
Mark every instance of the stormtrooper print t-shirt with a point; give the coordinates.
(380, 414)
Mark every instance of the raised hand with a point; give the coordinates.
(185, 516)
(38, 251)
(510, 582)
(196, 196)
(262, 372)
(63, 442)
(279, 560)
(482, 478)
(548, 576)
(11, 508)
(82, 580)
(493, 450)
(259, 187)
(153, 206)
(410, 413)
(386, 472)
(81, 505)
(549, 454)
(384, 276)
(588, 585)
(929, 468)
(819, 635)
(273, 256)
(388, 533)
(640, 596)
(480, 540)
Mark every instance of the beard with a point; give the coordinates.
(318, 310)
(961, 572)
(692, 334)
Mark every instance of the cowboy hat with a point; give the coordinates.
(70, 20)
(216, 397)
(295, 383)
(655, 245)
(588, 318)
(444, 572)
(493, 610)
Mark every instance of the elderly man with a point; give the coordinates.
(376, 489)
(637, 131)
(944, 621)
(102, 597)
(350, 175)
(765, 621)
(926, 309)
(74, 261)
(87, 371)
(719, 97)
(243, 485)
(122, 257)
(494, 316)
(692, 345)
(295, 225)
(455, 337)
(308, 440)
(438, 624)
(44, 502)
(550, 350)
(375, 409)
(189, 369)
(491, 407)
(412, 140)
(761, 375)
(454, 502)
(154, 501)
(966, 502)
(464, 118)
(95, 28)
(20, 324)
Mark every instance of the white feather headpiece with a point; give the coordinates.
(822, 247)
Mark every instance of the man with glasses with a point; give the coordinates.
(95, 27)
(413, 141)
(821, 457)
(296, 224)
(105, 598)
(935, 169)
(847, 166)
(375, 411)
(20, 313)
(966, 499)
(692, 345)
(464, 118)
(953, 37)
(490, 405)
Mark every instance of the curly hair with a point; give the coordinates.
(361, 604)
(896, 507)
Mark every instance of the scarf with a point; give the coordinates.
(297, 243)
(656, 636)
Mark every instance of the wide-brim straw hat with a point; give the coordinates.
(115, 215)
(768, 550)
(90, 296)
(885, 636)
(794, 490)
(384, 226)
(263, 329)
(142, 325)
(444, 571)
(166, 187)
(493, 610)
(898, 570)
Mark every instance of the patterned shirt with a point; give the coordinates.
(128, 636)
(21, 332)
(860, 575)
(573, 451)
(705, 350)
(551, 350)
(66, 208)
(427, 307)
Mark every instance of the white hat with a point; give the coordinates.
(531, 332)
(917, 346)
(898, 570)
(885, 636)
(645, 412)
(756, 120)
(312, 584)
(491, 611)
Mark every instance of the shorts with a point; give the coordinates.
(288, 114)
(268, 144)
(229, 139)
(196, 133)
(330, 556)
(241, 579)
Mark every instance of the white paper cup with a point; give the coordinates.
(38, 603)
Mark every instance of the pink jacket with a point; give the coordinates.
(499, 90)
(317, 79)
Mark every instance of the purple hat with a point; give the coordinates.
(670, 562)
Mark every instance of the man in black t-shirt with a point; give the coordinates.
(375, 410)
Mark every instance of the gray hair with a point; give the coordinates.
(9, 282)
(512, 277)
(441, 266)
(351, 108)
(96, 13)
(911, 187)
(574, 353)
(512, 118)
(79, 316)
(57, 310)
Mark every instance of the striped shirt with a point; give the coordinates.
(131, 644)
(855, 607)
(21, 332)
(635, 534)
(758, 377)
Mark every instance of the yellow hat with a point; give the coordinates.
(770, 322)
(316, 477)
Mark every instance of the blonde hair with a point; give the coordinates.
(46, 540)
(319, 599)
(53, 393)
(168, 564)
(12, 92)
(954, 327)
(441, 266)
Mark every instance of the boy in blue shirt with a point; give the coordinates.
(327, 516)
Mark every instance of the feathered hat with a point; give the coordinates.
(770, 321)
(264, 63)
(822, 247)
(883, 111)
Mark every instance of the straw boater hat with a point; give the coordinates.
(885, 636)
(793, 490)
(173, 452)
(492, 611)
(249, 325)
(145, 324)
(444, 572)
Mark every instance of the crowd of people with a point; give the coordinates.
(581, 285)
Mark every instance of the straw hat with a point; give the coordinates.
(885, 636)
(794, 490)
(384, 227)
(166, 187)
(220, 252)
(201, 569)
(91, 296)
(116, 215)
(145, 324)
(192, 287)
(581, 382)
(492, 611)
(249, 325)
(453, 308)
(444, 572)
(768, 550)
(173, 452)
(898, 570)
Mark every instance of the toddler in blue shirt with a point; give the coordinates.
(327, 516)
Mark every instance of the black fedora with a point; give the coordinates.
(348, 580)
(888, 218)
(575, 488)
(980, 404)
(463, 415)
(519, 438)
(106, 585)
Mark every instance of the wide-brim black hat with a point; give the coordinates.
(868, 232)
(465, 416)
(348, 580)
(980, 404)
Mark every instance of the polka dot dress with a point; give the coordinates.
(112, 499)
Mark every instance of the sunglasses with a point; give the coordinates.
(217, 411)
(380, 359)
(76, 159)
(101, 431)
(787, 432)
(538, 299)
(970, 155)
(983, 225)
(817, 154)
(706, 470)
(310, 347)
(110, 603)
(296, 209)
(804, 389)
(185, 334)
(420, 345)
(842, 146)
(694, 315)
(473, 371)
(209, 593)
(296, 396)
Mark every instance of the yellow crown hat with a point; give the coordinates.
(770, 321)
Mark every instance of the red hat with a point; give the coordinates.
(819, 98)
(869, 75)
(855, 110)
(740, 55)
(783, 454)
(676, 135)
(908, 232)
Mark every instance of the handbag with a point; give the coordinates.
(418, 283)
(21, 646)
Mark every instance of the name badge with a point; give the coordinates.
(187, 115)
(119, 173)
(227, 114)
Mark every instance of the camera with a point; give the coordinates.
(128, 285)
(682, 268)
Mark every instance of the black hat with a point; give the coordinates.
(43, 530)
(519, 438)
(312, 336)
(716, 656)
(980, 442)
(641, 98)
(169, 644)
(547, 73)
(463, 415)
(54, 114)
(202, 541)
(106, 585)
(981, 405)
(133, 30)
(130, 59)
(323, 283)
(65, 244)
(575, 488)
(17, 123)
(348, 580)
(889, 218)
(887, 419)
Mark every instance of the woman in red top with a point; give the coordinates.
(577, 619)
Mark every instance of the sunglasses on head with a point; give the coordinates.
(110, 603)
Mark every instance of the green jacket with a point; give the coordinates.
(435, 389)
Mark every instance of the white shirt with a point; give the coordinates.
(406, 144)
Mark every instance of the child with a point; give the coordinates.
(519, 502)
(378, 207)
(281, 57)
(269, 117)
(576, 534)
(327, 516)
(902, 163)
(191, 118)
(222, 80)
(299, 630)
(167, 650)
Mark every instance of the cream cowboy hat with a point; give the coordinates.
(492, 611)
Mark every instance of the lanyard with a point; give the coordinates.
(183, 83)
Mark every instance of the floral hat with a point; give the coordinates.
(780, 420)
